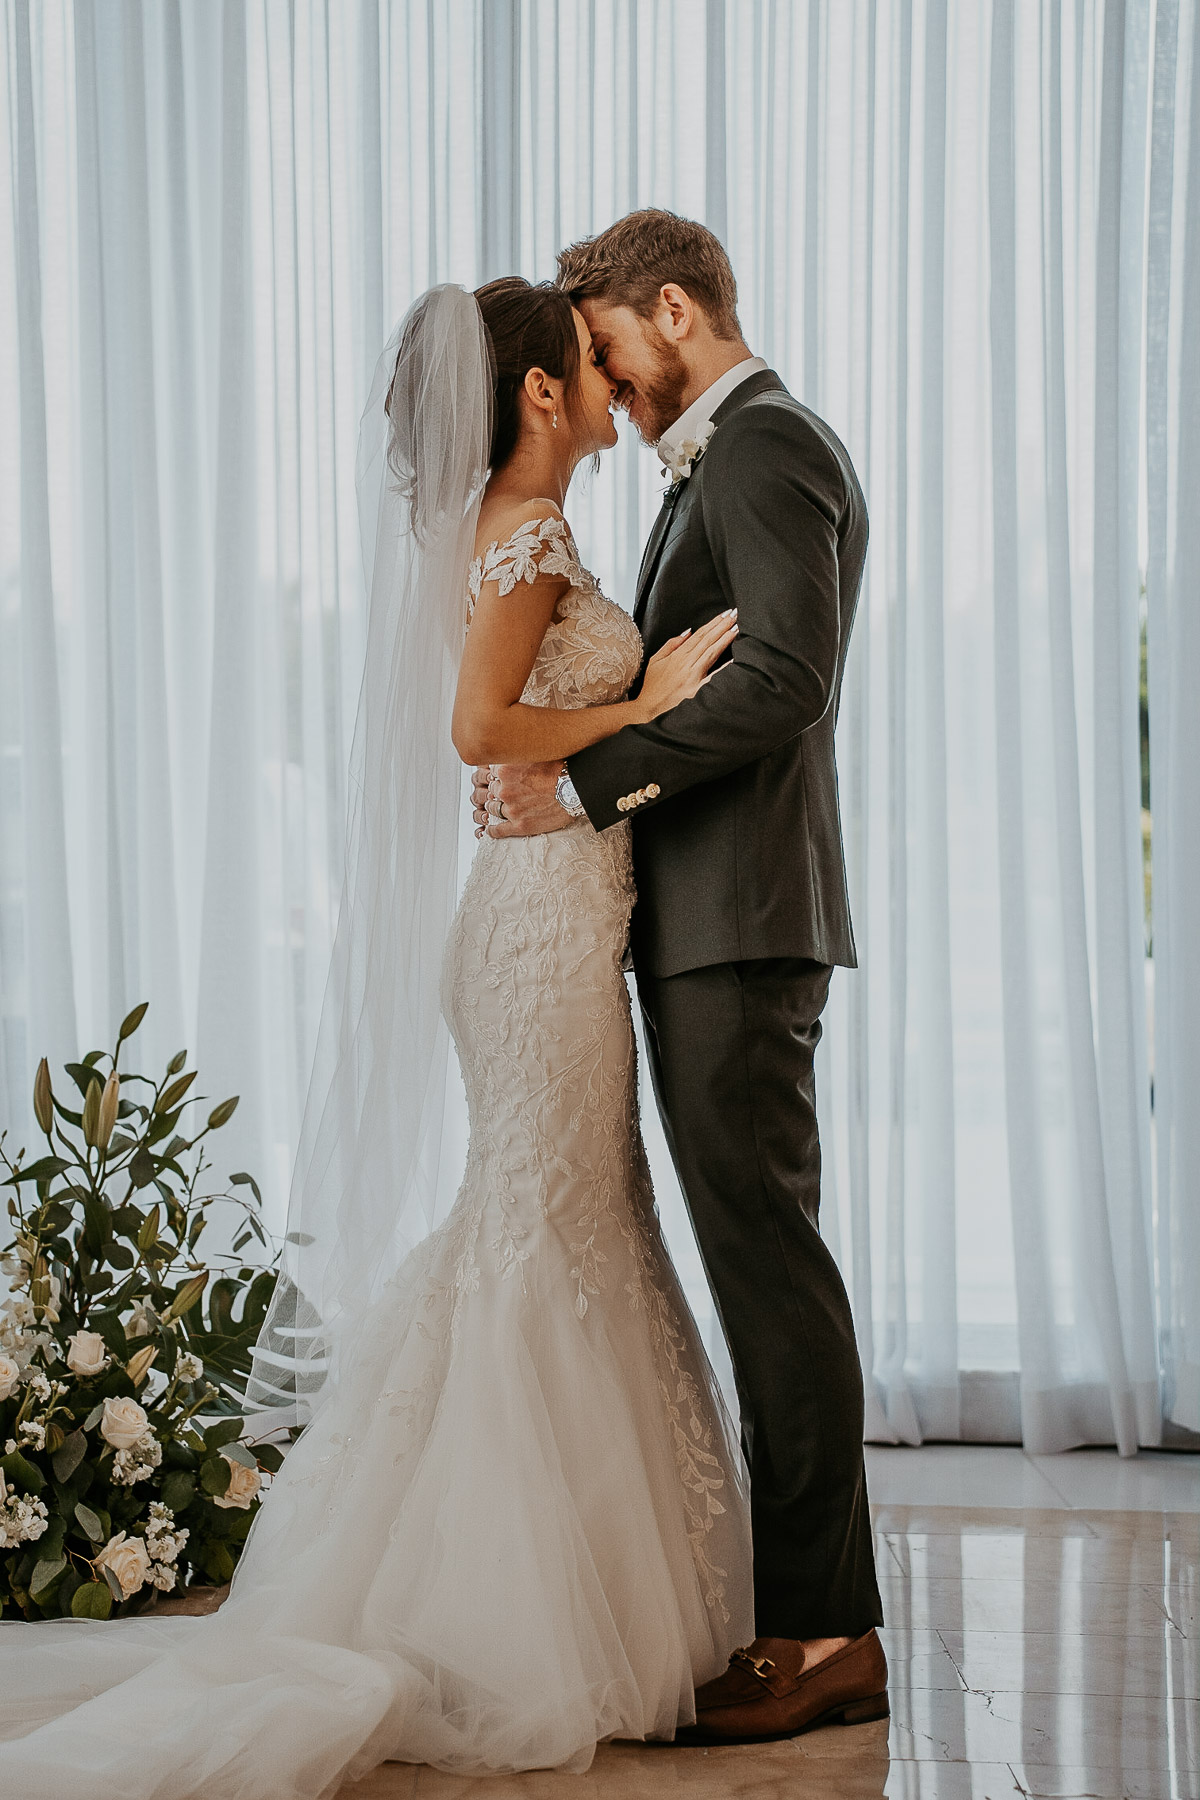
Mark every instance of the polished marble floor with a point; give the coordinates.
(1043, 1632)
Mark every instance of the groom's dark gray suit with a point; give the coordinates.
(742, 911)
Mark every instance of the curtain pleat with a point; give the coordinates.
(966, 234)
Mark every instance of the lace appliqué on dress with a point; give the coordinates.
(539, 547)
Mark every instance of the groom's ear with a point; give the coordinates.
(675, 315)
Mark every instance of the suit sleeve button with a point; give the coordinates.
(653, 791)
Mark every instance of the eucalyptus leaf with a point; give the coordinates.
(113, 1584)
(223, 1432)
(89, 1523)
(70, 1454)
(45, 1574)
(178, 1491)
(241, 1453)
(94, 1417)
(214, 1475)
(92, 1600)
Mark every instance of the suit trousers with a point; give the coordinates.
(731, 1052)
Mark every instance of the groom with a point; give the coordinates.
(742, 913)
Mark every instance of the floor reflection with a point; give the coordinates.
(1048, 1653)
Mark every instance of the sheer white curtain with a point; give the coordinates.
(969, 235)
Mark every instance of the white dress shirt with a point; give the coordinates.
(691, 422)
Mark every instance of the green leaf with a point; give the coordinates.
(92, 1600)
(221, 1296)
(94, 1417)
(82, 1074)
(218, 1563)
(141, 1168)
(92, 1528)
(214, 1475)
(69, 1455)
(301, 1238)
(178, 1491)
(120, 1256)
(241, 1240)
(113, 1583)
(242, 1179)
(98, 1228)
(131, 1021)
(45, 1574)
(42, 1169)
(241, 1453)
(26, 1476)
(67, 1588)
(50, 1544)
(223, 1432)
(270, 1456)
(148, 1235)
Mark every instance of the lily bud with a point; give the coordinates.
(43, 1105)
(138, 1366)
(91, 1111)
(108, 1110)
(187, 1296)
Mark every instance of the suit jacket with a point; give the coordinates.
(738, 850)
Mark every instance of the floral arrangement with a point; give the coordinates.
(123, 1366)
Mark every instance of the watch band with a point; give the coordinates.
(566, 795)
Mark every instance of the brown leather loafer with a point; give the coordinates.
(761, 1697)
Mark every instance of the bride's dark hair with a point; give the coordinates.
(528, 326)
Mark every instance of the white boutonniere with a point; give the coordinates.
(680, 462)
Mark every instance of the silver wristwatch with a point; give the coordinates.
(566, 795)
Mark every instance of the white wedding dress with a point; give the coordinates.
(520, 1502)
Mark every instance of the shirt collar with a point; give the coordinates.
(691, 423)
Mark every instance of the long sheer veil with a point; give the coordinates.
(365, 1179)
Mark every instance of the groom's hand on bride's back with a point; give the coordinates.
(517, 800)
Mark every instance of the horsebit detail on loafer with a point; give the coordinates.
(758, 1665)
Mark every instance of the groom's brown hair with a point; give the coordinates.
(628, 263)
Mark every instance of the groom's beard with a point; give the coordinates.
(661, 394)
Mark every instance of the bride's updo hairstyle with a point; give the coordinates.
(528, 327)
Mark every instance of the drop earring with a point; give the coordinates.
(555, 420)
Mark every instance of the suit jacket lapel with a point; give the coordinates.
(759, 383)
(654, 544)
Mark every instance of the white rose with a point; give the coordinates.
(129, 1561)
(86, 1354)
(123, 1423)
(244, 1484)
(10, 1374)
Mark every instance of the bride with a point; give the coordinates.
(516, 1523)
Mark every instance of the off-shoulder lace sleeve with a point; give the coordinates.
(538, 547)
